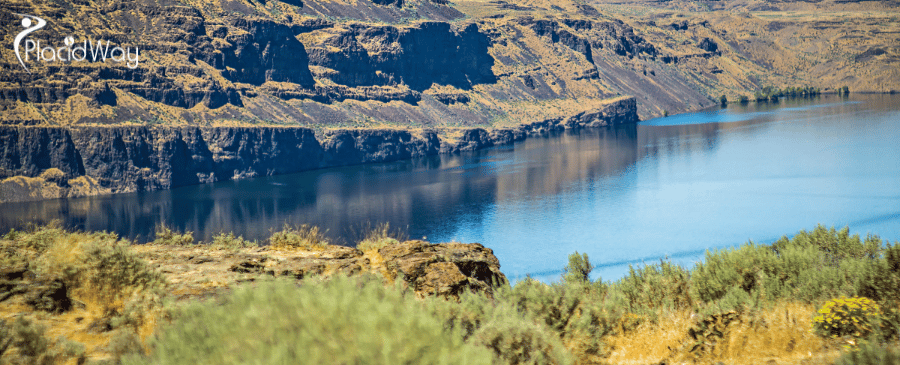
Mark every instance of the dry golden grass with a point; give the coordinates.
(782, 333)
(650, 342)
(108, 286)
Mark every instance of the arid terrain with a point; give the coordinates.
(437, 64)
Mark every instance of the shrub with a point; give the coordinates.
(115, 273)
(531, 323)
(810, 266)
(723, 100)
(574, 311)
(166, 236)
(579, 269)
(378, 237)
(25, 342)
(883, 281)
(341, 320)
(836, 245)
(516, 340)
(304, 237)
(652, 287)
(232, 242)
(856, 316)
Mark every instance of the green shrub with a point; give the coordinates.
(578, 270)
(24, 342)
(231, 242)
(576, 312)
(304, 237)
(166, 236)
(378, 237)
(810, 266)
(836, 245)
(528, 323)
(650, 288)
(516, 340)
(338, 321)
(115, 272)
(882, 282)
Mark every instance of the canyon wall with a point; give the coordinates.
(39, 162)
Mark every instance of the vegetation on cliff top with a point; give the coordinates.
(809, 297)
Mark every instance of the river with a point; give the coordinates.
(668, 187)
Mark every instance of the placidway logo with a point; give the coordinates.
(98, 52)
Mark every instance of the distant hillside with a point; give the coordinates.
(395, 63)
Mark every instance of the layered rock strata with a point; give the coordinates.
(52, 162)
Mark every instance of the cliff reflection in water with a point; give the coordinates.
(420, 196)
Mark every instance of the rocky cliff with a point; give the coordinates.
(50, 162)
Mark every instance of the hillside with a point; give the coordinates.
(389, 63)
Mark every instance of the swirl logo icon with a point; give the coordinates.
(27, 24)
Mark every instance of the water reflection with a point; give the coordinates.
(421, 194)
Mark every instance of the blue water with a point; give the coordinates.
(669, 187)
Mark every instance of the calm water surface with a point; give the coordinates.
(669, 187)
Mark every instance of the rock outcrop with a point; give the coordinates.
(443, 269)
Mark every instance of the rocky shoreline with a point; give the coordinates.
(38, 162)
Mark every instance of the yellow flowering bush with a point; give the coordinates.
(856, 316)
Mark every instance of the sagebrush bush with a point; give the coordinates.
(856, 316)
(579, 269)
(836, 245)
(304, 237)
(575, 311)
(379, 236)
(337, 321)
(808, 267)
(166, 236)
(516, 340)
(230, 241)
(722, 270)
(648, 289)
(528, 323)
(882, 282)
(24, 342)
(116, 272)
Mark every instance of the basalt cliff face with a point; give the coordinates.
(50, 162)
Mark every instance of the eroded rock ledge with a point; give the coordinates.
(443, 269)
(56, 162)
